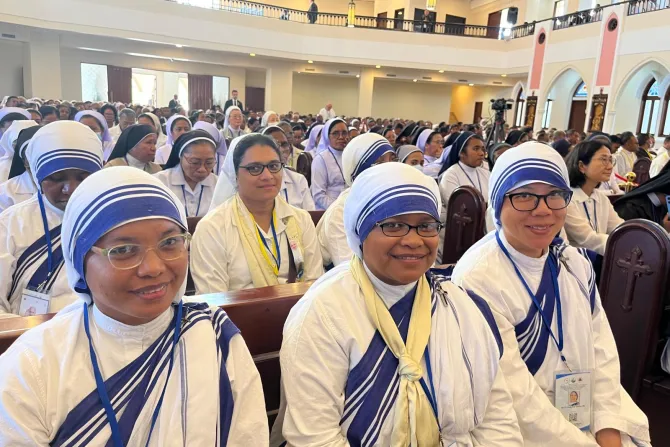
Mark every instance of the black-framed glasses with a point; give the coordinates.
(129, 256)
(526, 201)
(400, 229)
(256, 169)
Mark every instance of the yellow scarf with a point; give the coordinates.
(262, 274)
(415, 422)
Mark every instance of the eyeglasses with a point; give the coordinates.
(129, 256)
(400, 229)
(343, 134)
(606, 160)
(196, 163)
(256, 169)
(525, 201)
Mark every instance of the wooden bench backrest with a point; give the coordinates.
(465, 223)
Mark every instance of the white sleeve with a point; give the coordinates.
(337, 237)
(580, 232)
(314, 371)
(613, 219)
(22, 400)
(209, 258)
(500, 425)
(320, 184)
(448, 184)
(305, 193)
(311, 251)
(7, 266)
(249, 426)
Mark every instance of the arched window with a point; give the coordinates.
(580, 91)
(546, 117)
(520, 108)
(649, 109)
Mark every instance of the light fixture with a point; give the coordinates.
(310, 62)
(178, 45)
(252, 54)
(413, 80)
(358, 76)
(471, 85)
(431, 5)
(378, 66)
(503, 75)
(441, 71)
(351, 14)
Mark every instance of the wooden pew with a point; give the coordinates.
(316, 216)
(641, 169)
(634, 289)
(258, 313)
(465, 223)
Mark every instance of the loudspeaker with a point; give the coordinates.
(512, 14)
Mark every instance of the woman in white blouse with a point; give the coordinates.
(188, 171)
(591, 216)
(254, 238)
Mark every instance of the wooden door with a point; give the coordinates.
(478, 112)
(254, 98)
(399, 16)
(119, 84)
(494, 25)
(577, 115)
(382, 20)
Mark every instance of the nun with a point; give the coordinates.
(221, 146)
(516, 137)
(7, 116)
(495, 151)
(294, 189)
(545, 302)
(130, 363)
(431, 142)
(361, 153)
(136, 147)
(232, 125)
(253, 223)
(410, 155)
(32, 279)
(270, 118)
(327, 176)
(98, 124)
(384, 351)
(590, 217)
(464, 166)
(152, 120)
(188, 171)
(8, 143)
(313, 138)
(175, 126)
(20, 186)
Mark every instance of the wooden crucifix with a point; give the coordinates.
(635, 268)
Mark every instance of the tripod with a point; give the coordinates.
(497, 134)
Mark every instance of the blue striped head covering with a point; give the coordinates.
(104, 201)
(530, 162)
(63, 145)
(361, 153)
(383, 191)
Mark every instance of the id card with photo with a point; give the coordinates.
(34, 303)
(572, 396)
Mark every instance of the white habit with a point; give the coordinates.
(590, 220)
(196, 201)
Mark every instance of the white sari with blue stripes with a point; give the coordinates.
(531, 357)
(213, 395)
(341, 381)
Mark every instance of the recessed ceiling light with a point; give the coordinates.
(471, 85)
(178, 45)
(503, 75)
(441, 71)
(378, 66)
(310, 62)
(358, 76)
(252, 54)
(413, 80)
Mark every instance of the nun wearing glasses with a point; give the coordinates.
(188, 171)
(130, 364)
(557, 340)
(251, 237)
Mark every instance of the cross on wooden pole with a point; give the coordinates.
(635, 268)
(461, 219)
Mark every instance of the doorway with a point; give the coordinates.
(382, 20)
(494, 24)
(420, 25)
(577, 115)
(255, 98)
(478, 112)
(399, 17)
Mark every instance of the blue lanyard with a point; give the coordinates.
(338, 165)
(473, 183)
(197, 211)
(536, 302)
(595, 215)
(276, 242)
(286, 194)
(47, 236)
(102, 390)
(433, 401)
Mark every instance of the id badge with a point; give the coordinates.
(34, 303)
(572, 396)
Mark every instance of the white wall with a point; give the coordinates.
(561, 92)
(255, 78)
(313, 91)
(464, 97)
(417, 101)
(11, 68)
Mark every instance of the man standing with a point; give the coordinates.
(174, 102)
(127, 117)
(313, 12)
(327, 112)
(233, 102)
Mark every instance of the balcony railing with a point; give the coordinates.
(642, 6)
(578, 18)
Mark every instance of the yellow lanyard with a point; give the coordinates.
(262, 244)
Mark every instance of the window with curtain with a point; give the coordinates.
(649, 109)
(520, 109)
(546, 117)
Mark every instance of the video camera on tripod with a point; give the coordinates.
(497, 134)
(501, 104)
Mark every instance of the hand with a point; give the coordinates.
(608, 437)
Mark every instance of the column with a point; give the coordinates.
(279, 88)
(41, 66)
(366, 85)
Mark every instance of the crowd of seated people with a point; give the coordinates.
(385, 348)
